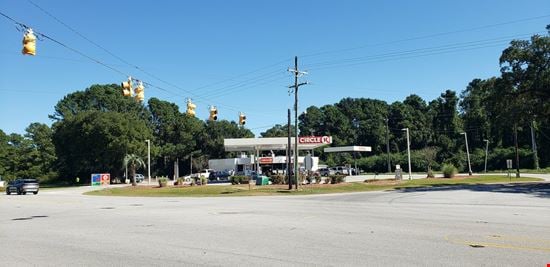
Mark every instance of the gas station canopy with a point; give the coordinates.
(348, 149)
(275, 143)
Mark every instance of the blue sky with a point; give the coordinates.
(234, 54)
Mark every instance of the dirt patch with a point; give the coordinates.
(385, 182)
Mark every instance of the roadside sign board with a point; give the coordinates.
(509, 163)
(308, 162)
(100, 179)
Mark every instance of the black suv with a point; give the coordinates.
(22, 186)
(219, 176)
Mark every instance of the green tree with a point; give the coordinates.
(28, 156)
(95, 141)
(4, 154)
(311, 122)
(215, 132)
(525, 65)
(282, 131)
(99, 98)
(525, 69)
(134, 161)
(42, 147)
(367, 120)
(420, 122)
(446, 123)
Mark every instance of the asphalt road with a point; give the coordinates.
(467, 226)
(363, 177)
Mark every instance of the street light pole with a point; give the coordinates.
(388, 144)
(486, 152)
(148, 159)
(467, 153)
(408, 150)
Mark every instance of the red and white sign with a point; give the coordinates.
(266, 160)
(313, 140)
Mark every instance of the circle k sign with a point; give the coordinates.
(315, 140)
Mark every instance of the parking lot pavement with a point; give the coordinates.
(463, 226)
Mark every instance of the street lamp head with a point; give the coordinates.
(485, 140)
(404, 129)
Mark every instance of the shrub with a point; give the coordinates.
(318, 179)
(336, 179)
(430, 174)
(277, 179)
(449, 170)
(204, 180)
(163, 182)
(303, 178)
(179, 181)
(239, 179)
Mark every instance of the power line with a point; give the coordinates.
(64, 45)
(404, 57)
(191, 92)
(240, 84)
(463, 46)
(427, 36)
(148, 84)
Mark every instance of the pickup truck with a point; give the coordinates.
(204, 173)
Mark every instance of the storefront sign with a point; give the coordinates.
(101, 179)
(315, 140)
(266, 160)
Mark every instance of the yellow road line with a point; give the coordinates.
(495, 245)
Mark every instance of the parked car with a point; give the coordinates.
(22, 186)
(203, 173)
(219, 176)
(326, 171)
(246, 173)
(341, 170)
(139, 177)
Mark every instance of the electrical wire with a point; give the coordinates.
(267, 77)
(396, 55)
(191, 92)
(427, 36)
(148, 84)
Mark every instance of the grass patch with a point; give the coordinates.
(242, 190)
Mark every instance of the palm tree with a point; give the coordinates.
(134, 161)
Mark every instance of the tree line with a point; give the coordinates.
(513, 108)
(94, 129)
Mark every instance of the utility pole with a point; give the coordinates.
(486, 152)
(176, 169)
(388, 144)
(534, 144)
(296, 86)
(289, 177)
(148, 159)
(408, 150)
(467, 153)
(517, 149)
